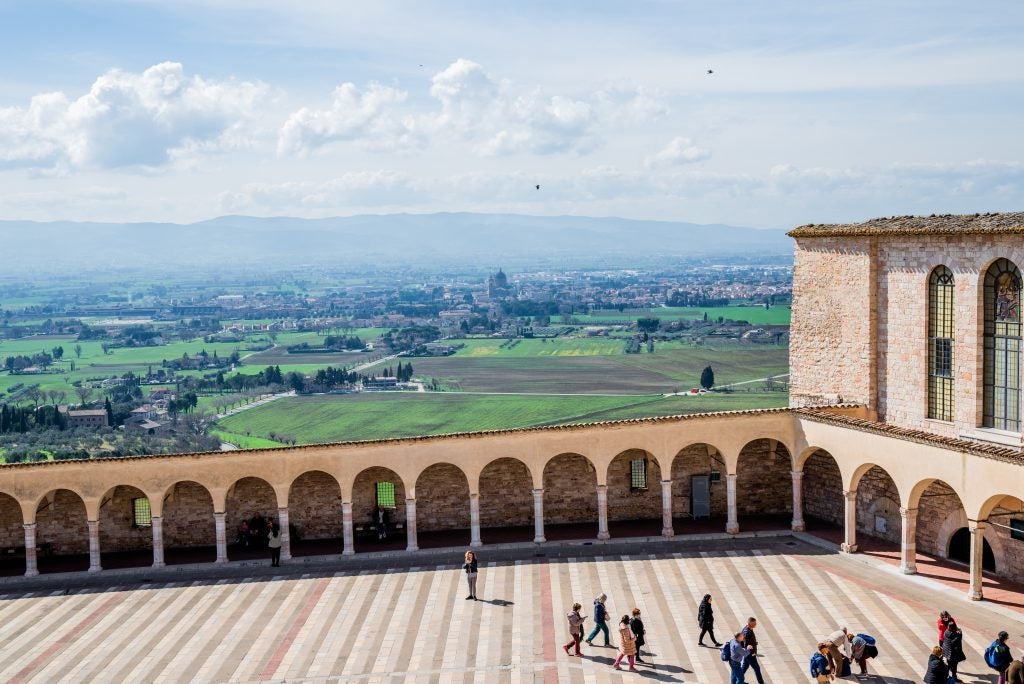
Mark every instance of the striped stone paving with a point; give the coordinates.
(413, 624)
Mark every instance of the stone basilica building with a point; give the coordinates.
(904, 428)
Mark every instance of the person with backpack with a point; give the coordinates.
(706, 621)
(733, 653)
(997, 656)
(821, 671)
(862, 649)
(953, 648)
(937, 672)
(600, 621)
(575, 629)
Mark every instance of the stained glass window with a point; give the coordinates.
(638, 473)
(386, 494)
(940, 344)
(1002, 341)
(141, 514)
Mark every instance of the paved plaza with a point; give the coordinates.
(386, 620)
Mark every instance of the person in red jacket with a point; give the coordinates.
(944, 621)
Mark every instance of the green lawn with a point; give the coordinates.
(244, 441)
(559, 346)
(756, 315)
(334, 418)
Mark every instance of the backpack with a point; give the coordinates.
(868, 639)
(992, 655)
(818, 664)
(599, 611)
(727, 652)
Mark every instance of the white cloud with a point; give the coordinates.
(130, 120)
(678, 152)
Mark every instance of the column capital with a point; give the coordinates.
(850, 495)
(976, 525)
(907, 512)
(797, 474)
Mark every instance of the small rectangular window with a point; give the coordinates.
(386, 494)
(141, 513)
(1017, 530)
(638, 473)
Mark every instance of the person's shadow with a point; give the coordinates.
(498, 602)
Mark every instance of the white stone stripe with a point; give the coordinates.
(250, 652)
(485, 631)
(797, 635)
(428, 621)
(338, 635)
(298, 658)
(288, 600)
(366, 636)
(343, 649)
(454, 645)
(31, 612)
(396, 630)
(684, 605)
(522, 628)
(386, 634)
(556, 619)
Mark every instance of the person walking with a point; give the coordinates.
(944, 619)
(750, 642)
(627, 646)
(382, 523)
(636, 625)
(821, 670)
(706, 621)
(1015, 673)
(600, 621)
(953, 648)
(737, 652)
(937, 672)
(471, 568)
(997, 656)
(575, 630)
(274, 544)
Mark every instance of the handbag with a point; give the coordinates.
(824, 679)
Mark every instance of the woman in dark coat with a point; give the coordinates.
(953, 647)
(706, 621)
(937, 672)
(636, 625)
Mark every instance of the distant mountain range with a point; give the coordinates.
(377, 240)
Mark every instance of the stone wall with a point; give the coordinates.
(442, 499)
(626, 503)
(61, 521)
(832, 327)
(570, 490)
(823, 489)
(12, 530)
(695, 460)
(117, 522)
(314, 506)
(246, 498)
(1009, 552)
(364, 496)
(764, 482)
(188, 517)
(935, 507)
(877, 496)
(506, 494)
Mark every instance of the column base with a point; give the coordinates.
(539, 540)
(603, 536)
(31, 573)
(286, 556)
(158, 564)
(94, 568)
(220, 561)
(798, 526)
(412, 547)
(908, 569)
(348, 552)
(848, 548)
(732, 528)
(475, 544)
(976, 596)
(668, 532)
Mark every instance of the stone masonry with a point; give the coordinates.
(12, 534)
(314, 506)
(442, 498)
(878, 503)
(364, 496)
(506, 498)
(626, 503)
(570, 490)
(60, 521)
(764, 483)
(188, 516)
(823, 489)
(246, 498)
(697, 459)
(117, 522)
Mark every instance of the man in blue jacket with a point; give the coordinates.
(737, 652)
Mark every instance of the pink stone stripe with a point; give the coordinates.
(547, 629)
(297, 622)
(67, 638)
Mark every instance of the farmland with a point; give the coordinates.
(756, 315)
(334, 418)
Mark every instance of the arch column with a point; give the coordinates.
(286, 542)
(602, 512)
(220, 526)
(977, 529)
(346, 529)
(908, 541)
(538, 516)
(849, 544)
(158, 541)
(410, 525)
(94, 546)
(474, 521)
(31, 565)
(732, 525)
(666, 509)
(798, 501)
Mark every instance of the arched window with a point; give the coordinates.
(940, 344)
(1001, 398)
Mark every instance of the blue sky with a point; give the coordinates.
(815, 112)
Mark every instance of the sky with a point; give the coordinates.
(764, 114)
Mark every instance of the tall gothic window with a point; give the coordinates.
(940, 344)
(1001, 397)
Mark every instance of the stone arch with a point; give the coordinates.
(250, 499)
(822, 487)
(878, 504)
(12, 534)
(634, 501)
(123, 543)
(506, 499)
(959, 550)
(703, 460)
(190, 532)
(570, 493)
(764, 480)
(364, 507)
(940, 512)
(442, 499)
(314, 510)
(62, 530)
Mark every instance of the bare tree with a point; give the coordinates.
(84, 393)
(35, 395)
(56, 396)
(78, 351)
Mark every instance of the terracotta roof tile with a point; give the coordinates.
(1011, 223)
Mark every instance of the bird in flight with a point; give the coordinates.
(710, 71)
(538, 187)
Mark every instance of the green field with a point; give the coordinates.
(530, 348)
(756, 315)
(334, 418)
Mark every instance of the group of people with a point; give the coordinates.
(947, 656)
(259, 532)
(630, 628)
(838, 650)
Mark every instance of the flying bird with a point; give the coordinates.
(538, 187)
(710, 71)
